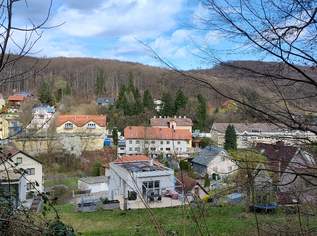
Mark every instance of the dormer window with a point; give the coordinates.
(91, 126)
(68, 126)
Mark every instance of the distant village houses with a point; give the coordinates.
(249, 134)
(176, 122)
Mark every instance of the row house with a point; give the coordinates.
(249, 134)
(81, 124)
(156, 141)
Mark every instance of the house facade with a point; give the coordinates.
(214, 161)
(291, 168)
(42, 117)
(33, 170)
(81, 124)
(4, 128)
(176, 122)
(249, 134)
(136, 179)
(156, 141)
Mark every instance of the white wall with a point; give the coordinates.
(26, 164)
(94, 188)
(221, 165)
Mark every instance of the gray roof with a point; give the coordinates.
(94, 179)
(206, 155)
(164, 121)
(248, 127)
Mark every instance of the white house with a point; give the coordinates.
(156, 141)
(93, 184)
(42, 117)
(13, 187)
(176, 122)
(32, 168)
(249, 134)
(137, 180)
(214, 161)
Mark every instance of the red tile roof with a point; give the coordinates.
(132, 158)
(81, 120)
(155, 133)
(16, 98)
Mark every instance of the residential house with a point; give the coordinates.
(291, 169)
(33, 170)
(14, 124)
(4, 128)
(121, 147)
(249, 134)
(42, 117)
(214, 161)
(81, 124)
(105, 102)
(13, 187)
(176, 122)
(15, 102)
(137, 180)
(156, 141)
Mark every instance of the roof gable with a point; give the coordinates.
(81, 120)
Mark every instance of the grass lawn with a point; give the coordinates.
(70, 182)
(218, 221)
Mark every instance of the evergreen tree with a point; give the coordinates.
(138, 103)
(230, 138)
(168, 105)
(180, 101)
(148, 102)
(206, 181)
(45, 93)
(96, 168)
(100, 83)
(115, 136)
(201, 113)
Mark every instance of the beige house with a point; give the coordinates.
(33, 171)
(4, 128)
(176, 122)
(81, 124)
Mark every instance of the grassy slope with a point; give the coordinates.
(220, 221)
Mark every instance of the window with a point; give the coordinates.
(137, 149)
(146, 142)
(19, 160)
(167, 142)
(153, 148)
(161, 149)
(30, 186)
(122, 148)
(132, 196)
(91, 126)
(162, 142)
(130, 149)
(168, 149)
(130, 141)
(178, 142)
(153, 142)
(30, 171)
(151, 188)
(137, 142)
(68, 126)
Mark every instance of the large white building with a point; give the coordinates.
(249, 134)
(156, 141)
(137, 180)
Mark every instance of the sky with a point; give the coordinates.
(118, 29)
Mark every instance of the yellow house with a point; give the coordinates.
(4, 128)
(81, 124)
